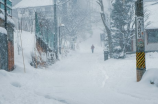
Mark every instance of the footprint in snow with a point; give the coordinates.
(59, 100)
(48, 97)
(3, 73)
(16, 84)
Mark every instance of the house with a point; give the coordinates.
(24, 11)
(151, 27)
(6, 38)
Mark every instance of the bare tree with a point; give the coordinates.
(76, 18)
(103, 17)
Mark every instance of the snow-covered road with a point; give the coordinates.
(80, 78)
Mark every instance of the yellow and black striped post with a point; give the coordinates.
(140, 57)
(141, 65)
(140, 46)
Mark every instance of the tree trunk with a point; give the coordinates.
(100, 2)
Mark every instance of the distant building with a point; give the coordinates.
(6, 38)
(151, 28)
(25, 10)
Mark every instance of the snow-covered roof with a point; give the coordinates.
(152, 9)
(9, 19)
(3, 30)
(33, 3)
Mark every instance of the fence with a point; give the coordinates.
(3, 51)
(45, 30)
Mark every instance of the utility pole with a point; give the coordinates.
(5, 25)
(5, 9)
(60, 39)
(140, 41)
(56, 30)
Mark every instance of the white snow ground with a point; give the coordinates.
(80, 78)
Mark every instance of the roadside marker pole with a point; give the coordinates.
(140, 41)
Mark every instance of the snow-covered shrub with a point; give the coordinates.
(118, 53)
(151, 77)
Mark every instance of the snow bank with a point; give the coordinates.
(3, 30)
(3, 73)
(151, 77)
(10, 20)
(153, 55)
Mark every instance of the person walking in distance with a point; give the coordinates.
(92, 48)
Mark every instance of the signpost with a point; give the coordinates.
(140, 41)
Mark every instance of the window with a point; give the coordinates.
(2, 6)
(152, 36)
(9, 11)
(9, 3)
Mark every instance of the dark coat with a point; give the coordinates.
(92, 47)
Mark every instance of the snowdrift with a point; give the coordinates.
(151, 77)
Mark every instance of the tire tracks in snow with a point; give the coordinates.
(106, 77)
(47, 96)
(136, 96)
(101, 68)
